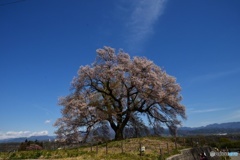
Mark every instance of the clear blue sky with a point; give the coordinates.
(43, 43)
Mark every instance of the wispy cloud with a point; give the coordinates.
(191, 111)
(44, 109)
(14, 134)
(47, 121)
(143, 15)
(213, 76)
(234, 116)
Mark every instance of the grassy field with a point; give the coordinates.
(124, 150)
(127, 149)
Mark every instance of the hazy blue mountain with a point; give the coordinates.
(228, 128)
(33, 138)
(229, 125)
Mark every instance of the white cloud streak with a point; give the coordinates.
(47, 121)
(234, 116)
(213, 76)
(14, 134)
(191, 111)
(142, 19)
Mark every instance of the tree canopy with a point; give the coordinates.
(119, 92)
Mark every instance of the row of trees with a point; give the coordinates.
(115, 93)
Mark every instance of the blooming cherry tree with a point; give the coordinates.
(117, 91)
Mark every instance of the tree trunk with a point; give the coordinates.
(119, 134)
(121, 125)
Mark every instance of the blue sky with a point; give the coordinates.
(43, 43)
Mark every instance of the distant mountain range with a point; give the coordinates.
(32, 138)
(222, 128)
